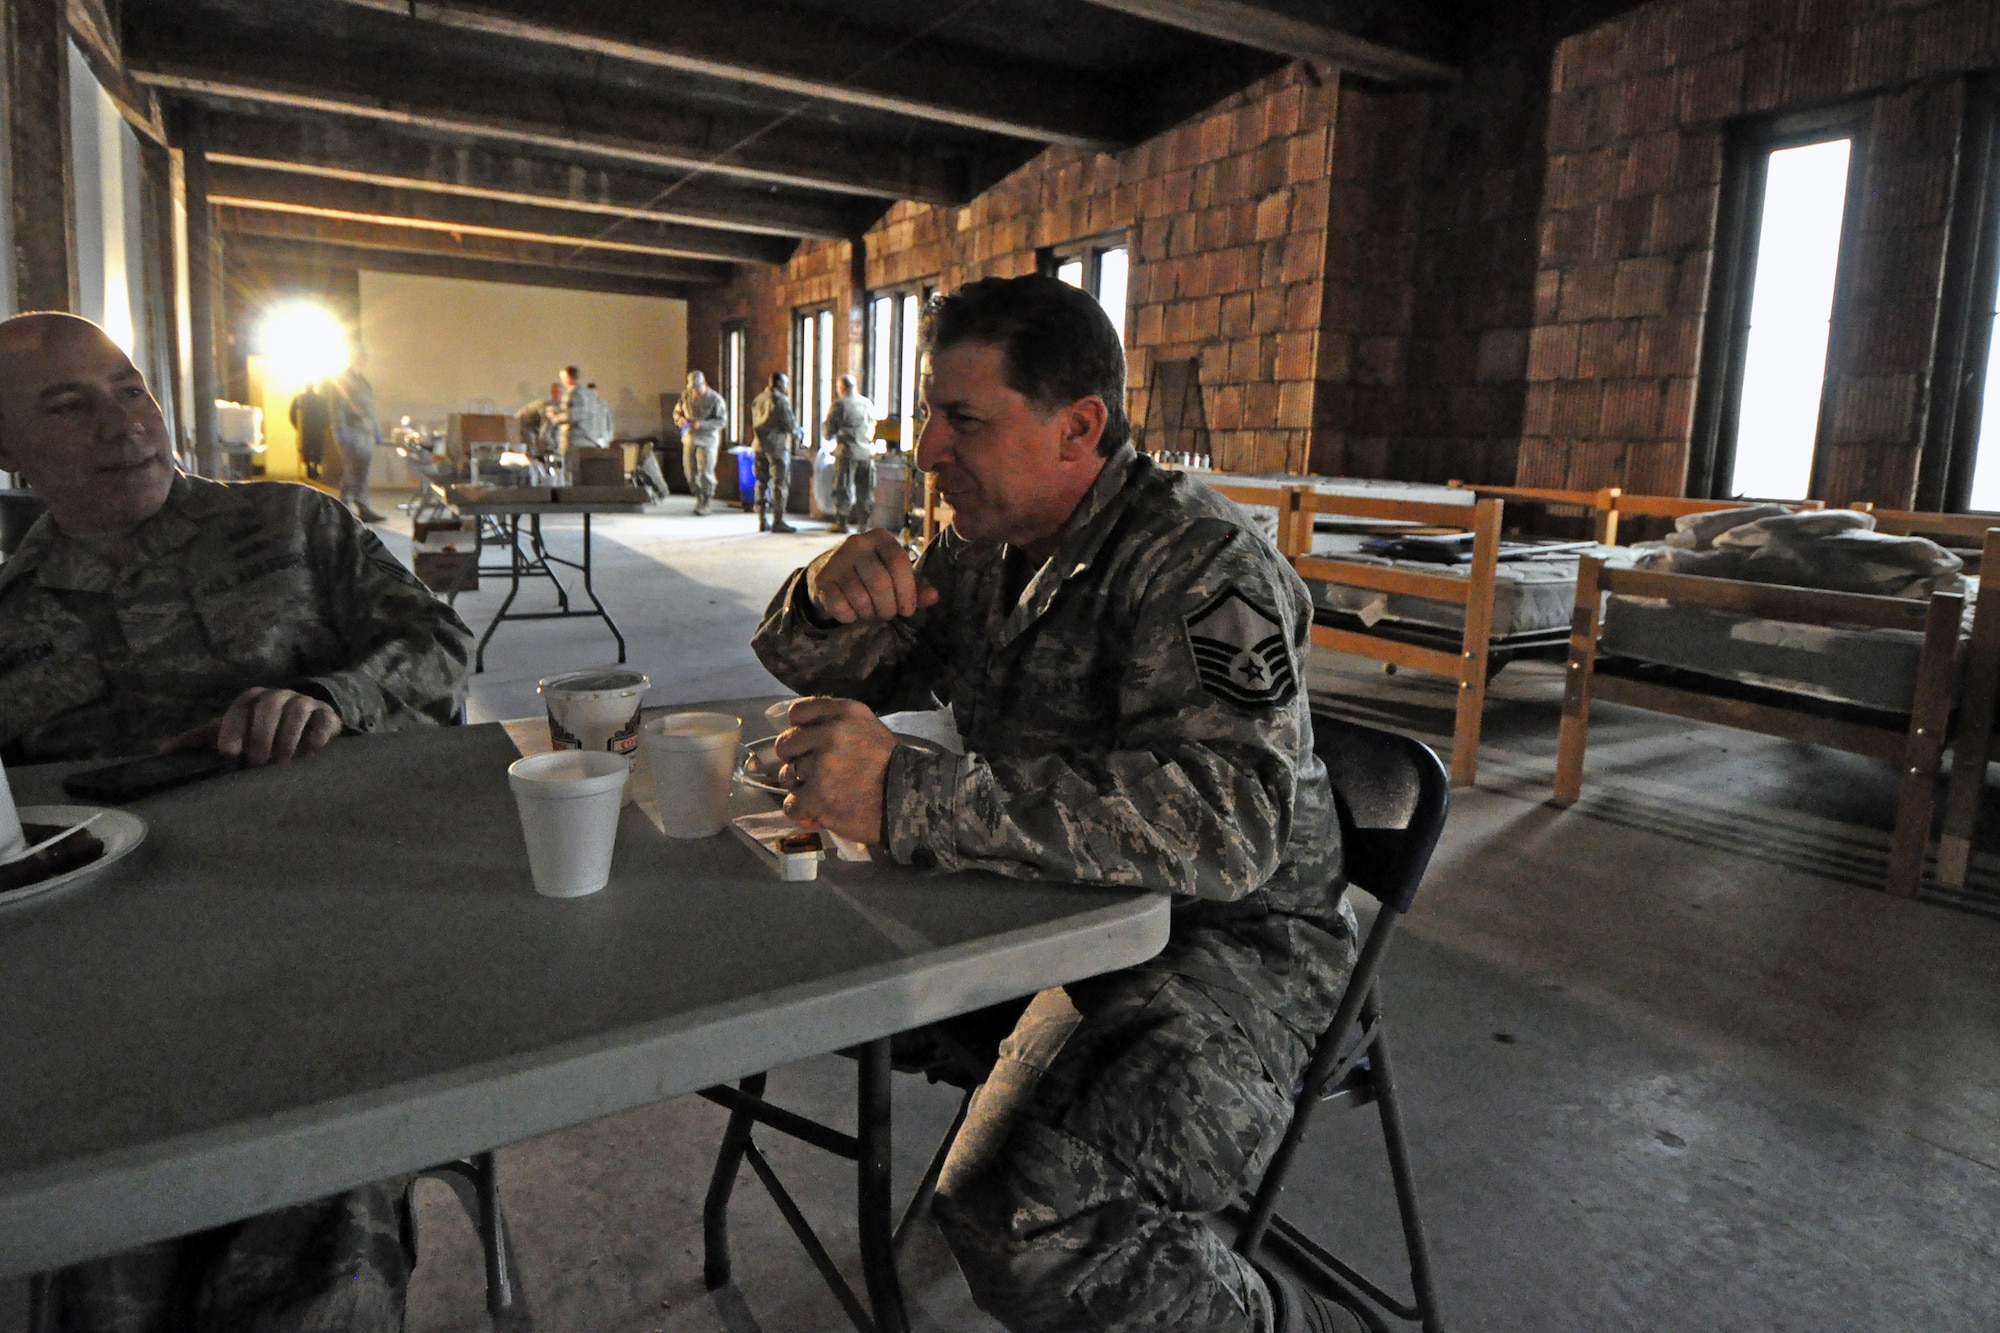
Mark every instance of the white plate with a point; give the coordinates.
(119, 830)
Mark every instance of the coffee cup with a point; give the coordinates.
(693, 756)
(596, 709)
(569, 801)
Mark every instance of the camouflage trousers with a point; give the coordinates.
(337, 1265)
(774, 478)
(1076, 1195)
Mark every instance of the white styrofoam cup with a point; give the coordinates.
(569, 802)
(12, 840)
(693, 757)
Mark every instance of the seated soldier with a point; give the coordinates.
(1124, 657)
(149, 608)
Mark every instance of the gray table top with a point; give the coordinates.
(313, 976)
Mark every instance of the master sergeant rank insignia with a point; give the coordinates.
(1240, 653)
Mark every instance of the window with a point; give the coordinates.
(735, 355)
(813, 348)
(1771, 310)
(1101, 267)
(892, 357)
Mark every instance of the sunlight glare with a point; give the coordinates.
(303, 342)
(1798, 249)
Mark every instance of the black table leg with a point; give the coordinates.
(872, 1190)
(715, 1210)
(514, 572)
(590, 591)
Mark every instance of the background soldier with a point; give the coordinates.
(703, 415)
(1124, 658)
(312, 418)
(147, 608)
(357, 431)
(850, 423)
(772, 422)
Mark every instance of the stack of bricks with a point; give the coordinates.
(1635, 168)
(1225, 217)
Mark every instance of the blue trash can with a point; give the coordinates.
(746, 476)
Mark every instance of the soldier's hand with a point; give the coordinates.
(836, 755)
(867, 577)
(266, 726)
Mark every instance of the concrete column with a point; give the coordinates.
(34, 42)
(192, 135)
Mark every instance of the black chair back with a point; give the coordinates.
(1393, 794)
(18, 512)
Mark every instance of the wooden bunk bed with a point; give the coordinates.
(1904, 722)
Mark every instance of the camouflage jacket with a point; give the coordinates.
(850, 421)
(231, 586)
(1136, 717)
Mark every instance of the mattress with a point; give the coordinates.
(1866, 668)
(1532, 596)
(1266, 516)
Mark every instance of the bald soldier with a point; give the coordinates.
(149, 609)
(1124, 657)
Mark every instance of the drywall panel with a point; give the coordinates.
(442, 345)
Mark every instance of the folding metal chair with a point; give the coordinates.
(1393, 796)
(476, 1182)
(868, 1148)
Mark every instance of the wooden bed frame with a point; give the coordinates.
(1467, 664)
(1915, 741)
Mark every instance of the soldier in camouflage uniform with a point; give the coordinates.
(1123, 657)
(146, 608)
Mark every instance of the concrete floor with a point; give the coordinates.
(1671, 1060)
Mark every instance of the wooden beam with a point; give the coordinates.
(250, 187)
(557, 256)
(96, 36)
(379, 154)
(1264, 30)
(191, 138)
(796, 54)
(436, 89)
(34, 45)
(280, 252)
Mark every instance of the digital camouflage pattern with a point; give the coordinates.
(1126, 721)
(227, 587)
(775, 427)
(338, 1265)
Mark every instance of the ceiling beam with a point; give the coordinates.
(1265, 30)
(386, 155)
(799, 55)
(375, 234)
(253, 187)
(281, 252)
(427, 86)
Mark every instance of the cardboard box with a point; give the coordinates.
(448, 572)
(597, 467)
(499, 495)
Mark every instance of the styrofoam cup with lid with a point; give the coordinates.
(693, 757)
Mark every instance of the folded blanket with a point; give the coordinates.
(1837, 550)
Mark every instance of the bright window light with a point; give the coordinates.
(912, 312)
(1112, 268)
(1985, 463)
(303, 342)
(1071, 272)
(1784, 370)
(881, 325)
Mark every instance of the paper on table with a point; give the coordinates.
(934, 725)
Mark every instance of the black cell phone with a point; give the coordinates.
(134, 778)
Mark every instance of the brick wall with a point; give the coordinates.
(1226, 219)
(1635, 147)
